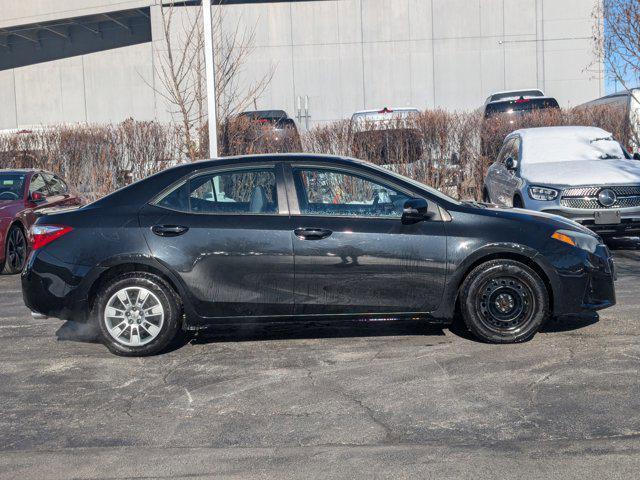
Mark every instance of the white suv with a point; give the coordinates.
(581, 173)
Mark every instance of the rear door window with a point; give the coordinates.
(247, 191)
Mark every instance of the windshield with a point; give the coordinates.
(519, 107)
(11, 186)
(562, 149)
(519, 93)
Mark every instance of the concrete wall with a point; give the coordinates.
(346, 55)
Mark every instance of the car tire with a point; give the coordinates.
(517, 202)
(138, 314)
(504, 301)
(16, 250)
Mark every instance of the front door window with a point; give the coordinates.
(334, 192)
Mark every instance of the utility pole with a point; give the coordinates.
(210, 78)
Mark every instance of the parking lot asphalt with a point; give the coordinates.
(347, 400)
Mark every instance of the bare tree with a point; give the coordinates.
(617, 38)
(181, 71)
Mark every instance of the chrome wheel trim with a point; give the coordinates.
(134, 316)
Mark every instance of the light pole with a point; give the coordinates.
(210, 78)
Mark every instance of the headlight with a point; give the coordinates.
(580, 240)
(542, 193)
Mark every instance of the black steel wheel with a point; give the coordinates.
(15, 251)
(504, 301)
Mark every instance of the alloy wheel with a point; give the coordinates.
(16, 249)
(134, 316)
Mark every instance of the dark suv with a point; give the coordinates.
(273, 129)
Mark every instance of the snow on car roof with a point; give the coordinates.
(556, 144)
(567, 132)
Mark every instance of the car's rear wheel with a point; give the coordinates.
(138, 314)
(504, 301)
(15, 251)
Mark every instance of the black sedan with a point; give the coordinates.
(284, 238)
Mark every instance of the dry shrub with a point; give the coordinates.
(447, 150)
(94, 159)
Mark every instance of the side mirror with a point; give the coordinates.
(37, 197)
(636, 156)
(415, 210)
(511, 163)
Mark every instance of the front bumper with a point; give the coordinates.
(586, 284)
(629, 219)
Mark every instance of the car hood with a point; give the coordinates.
(588, 172)
(553, 221)
(7, 207)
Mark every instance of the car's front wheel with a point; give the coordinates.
(138, 314)
(15, 251)
(504, 301)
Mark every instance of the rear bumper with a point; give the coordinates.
(54, 288)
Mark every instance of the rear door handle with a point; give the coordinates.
(169, 230)
(312, 233)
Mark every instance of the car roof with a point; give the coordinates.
(565, 131)
(389, 109)
(504, 92)
(517, 97)
(278, 157)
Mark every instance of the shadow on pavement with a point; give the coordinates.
(88, 333)
(570, 323)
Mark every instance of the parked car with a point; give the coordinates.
(627, 103)
(305, 237)
(581, 173)
(273, 128)
(386, 135)
(23, 193)
(507, 107)
(517, 102)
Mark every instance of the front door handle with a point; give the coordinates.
(312, 233)
(169, 230)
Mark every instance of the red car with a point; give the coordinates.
(22, 194)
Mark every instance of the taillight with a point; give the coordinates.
(42, 235)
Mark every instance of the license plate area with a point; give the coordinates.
(607, 217)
